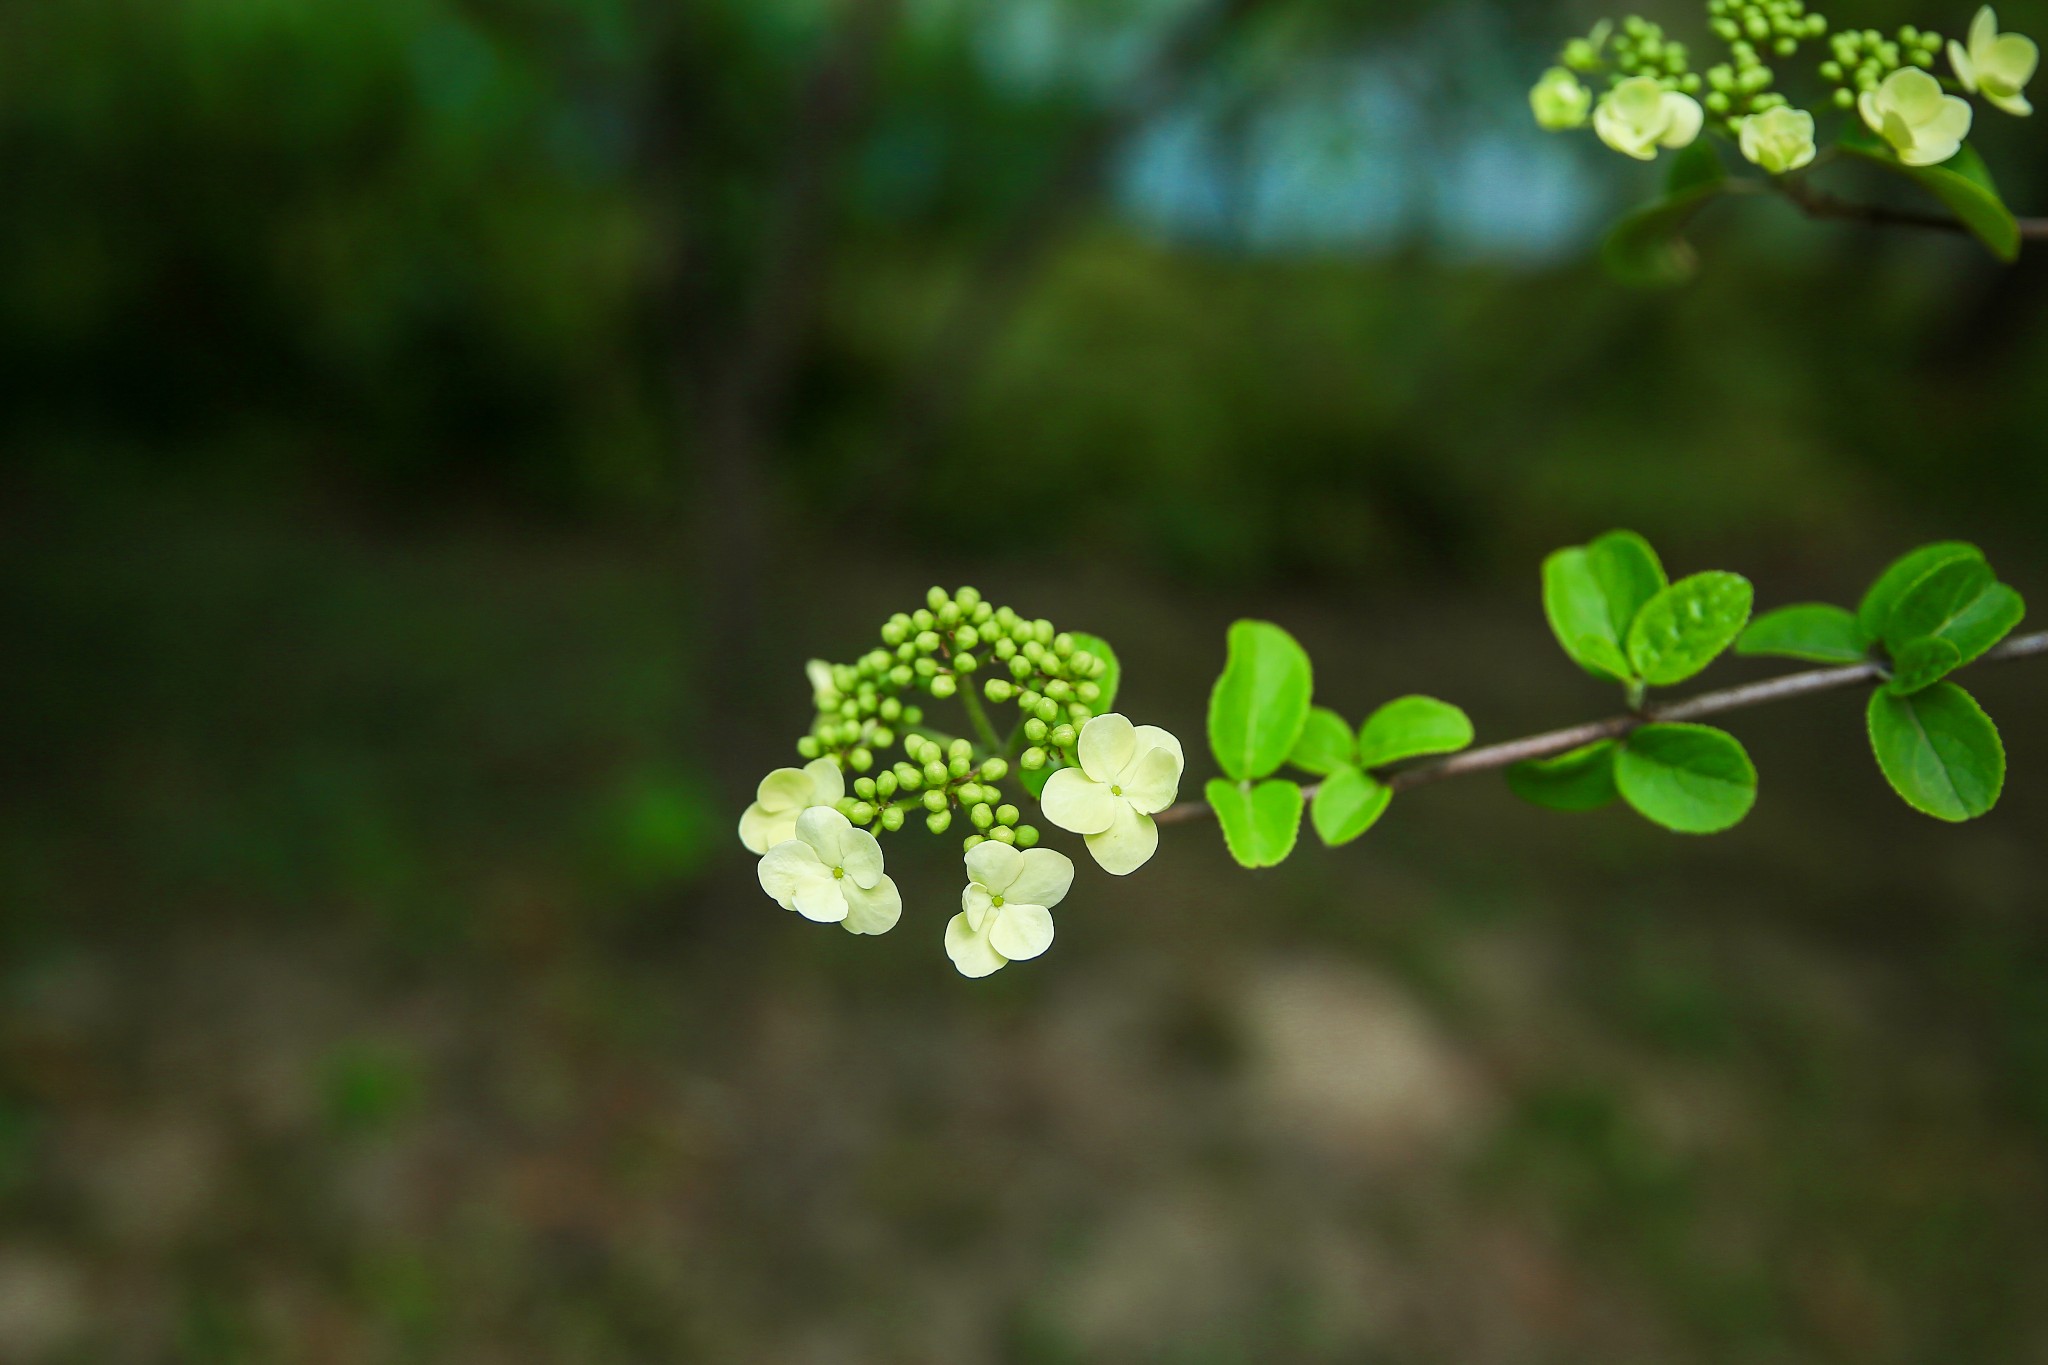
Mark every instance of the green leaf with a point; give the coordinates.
(1260, 823)
(1938, 750)
(1685, 627)
(1875, 611)
(1582, 779)
(1690, 778)
(1646, 248)
(1922, 663)
(1112, 673)
(1408, 727)
(1814, 631)
(1960, 602)
(1962, 184)
(1260, 704)
(1346, 805)
(1325, 744)
(1581, 616)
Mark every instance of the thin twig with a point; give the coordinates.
(1497, 756)
(1820, 204)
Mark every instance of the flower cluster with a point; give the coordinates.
(1096, 774)
(1649, 104)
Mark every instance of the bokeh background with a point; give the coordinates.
(436, 433)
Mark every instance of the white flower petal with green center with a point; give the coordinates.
(871, 910)
(1779, 140)
(972, 952)
(1559, 101)
(1077, 802)
(1151, 783)
(1044, 876)
(1910, 111)
(1996, 65)
(832, 873)
(1128, 844)
(1639, 115)
(1683, 119)
(798, 879)
(1107, 746)
(1021, 931)
(977, 902)
(782, 796)
(994, 866)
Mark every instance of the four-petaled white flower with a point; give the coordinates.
(1639, 115)
(1909, 110)
(1127, 772)
(832, 873)
(1995, 65)
(1006, 909)
(1779, 139)
(785, 794)
(1559, 101)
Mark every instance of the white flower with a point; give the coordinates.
(1995, 65)
(1639, 116)
(1006, 909)
(1779, 139)
(1559, 101)
(1127, 773)
(785, 794)
(832, 873)
(1924, 126)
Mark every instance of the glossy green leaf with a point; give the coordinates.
(1325, 744)
(1346, 805)
(1691, 778)
(1647, 247)
(1582, 779)
(1112, 673)
(1875, 611)
(1962, 184)
(1408, 727)
(1685, 627)
(1261, 701)
(1959, 602)
(1938, 750)
(1813, 631)
(1922, 663)
(1260, 823)
(1629, 574)
(1580, 614)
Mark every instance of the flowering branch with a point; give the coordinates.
(1494, 757)
(1820, 204)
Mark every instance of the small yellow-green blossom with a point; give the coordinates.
(1924, 126)
(1996, 65)
(1127, 773)
(1639, 115)
(1006, 908)
(824, 692)
(1779, 140)
(1559, 101)
(832, 873)
(785, 794)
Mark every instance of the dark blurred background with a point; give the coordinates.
(437, 431)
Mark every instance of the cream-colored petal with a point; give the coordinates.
(1683, 118)
(1153, 737)
(861, 856)
(1021, 931)
(1913, 93)
(762, 829)
(1867, 106)
(2016, 105)
(872, 909)
(1074, 801)
(825, 830)
(785, 789)
(1153, 781)
(2012, 60)
(977, 904)
(971, 952)
(1128, 844)
(1107, 744)
(828, 784)
(994, 865)
(1983, 31)
(1044, 876)
(1965, 69)
(784, 867)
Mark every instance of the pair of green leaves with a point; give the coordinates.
(1929, 613)
(1262, 715)
(1619, 617)
(1691, 778)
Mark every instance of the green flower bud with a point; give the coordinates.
(808, 747)
(959, 768)
(861, 759)
(968, 598)
(935, 801)
(1041, 630)
(1088, 692)
(1027, 836)
(1059, 690)
(1033, 759)
(959, 748)
(927, 642)
(994, 770)
(864, 788)
(862, 812)
(907, 777)
(1047, 710)
(1831, 71)
(965, 663)
(939, 822)
(935, 772)
(1004, 648)
(997, 690)
(1078, 711)
(971, 840)
(892, 818)
(892, 634)
(980, 614)
(981, 816)
(966, 638)
(913, 715)
(1006, 815)
(1035, 730)
(844, 805)
(935, 598)
(1716, 102)
(1785, 47)
(926, 668)
(1063, 736)
(970, 793)
(943, 686)
(1003, 834)
(885, 783)
(1020, 668)
(882, 737)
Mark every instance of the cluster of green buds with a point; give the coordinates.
(1741, 86)
(937, 779)
(1859, 60)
